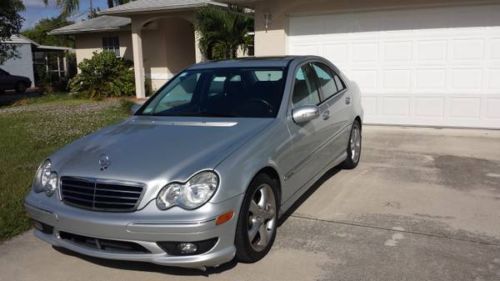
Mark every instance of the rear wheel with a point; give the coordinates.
(20, 87)
(353, 147)
(258, 219)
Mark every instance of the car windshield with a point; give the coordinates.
(230, 92)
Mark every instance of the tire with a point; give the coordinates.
(20, 88)
(258, 218)
(353, 147)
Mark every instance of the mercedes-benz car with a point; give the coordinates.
(203, 170)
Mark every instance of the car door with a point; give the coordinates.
(306, 138)
(335, 105)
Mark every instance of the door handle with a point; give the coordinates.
(347, 100)
(325, 114)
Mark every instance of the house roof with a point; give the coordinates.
(19, 39)
(144, 6)
(101, 23)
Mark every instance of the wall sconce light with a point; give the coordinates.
(267, 20)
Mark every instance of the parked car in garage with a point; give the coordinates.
(13, 82)
(202, 171)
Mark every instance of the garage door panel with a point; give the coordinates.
(468, 49)
(338, 52)
(494, 80)
(466, 79)
(370, 105)
(430, 80)
(433, 66)
(396, 106)
(396, 79)
(430, 107)
(493, 108)
(398, 52)
(364, 52)
(366, 79)
(495, 49)
(468, 108)
(431, 51)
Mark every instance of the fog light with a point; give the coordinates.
(187, 248)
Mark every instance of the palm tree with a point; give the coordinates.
(223, 31)
(69, 7)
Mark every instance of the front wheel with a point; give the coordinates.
(353, 147)
(258, 220)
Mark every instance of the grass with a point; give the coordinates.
(31, 130)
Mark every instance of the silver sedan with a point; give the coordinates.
(201, 172)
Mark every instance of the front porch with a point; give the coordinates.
(164, 41)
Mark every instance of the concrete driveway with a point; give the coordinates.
(424, 204)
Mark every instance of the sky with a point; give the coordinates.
(37, 10)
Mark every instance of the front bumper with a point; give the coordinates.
(144, 227)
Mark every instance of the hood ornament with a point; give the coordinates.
(104, 161)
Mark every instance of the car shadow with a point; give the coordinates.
(11, 97)
(330, 173)
(149, 267)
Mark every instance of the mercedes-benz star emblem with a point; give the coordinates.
(104, 161)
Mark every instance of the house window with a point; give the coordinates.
(111, 44)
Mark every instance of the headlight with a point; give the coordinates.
(46, 180)
(190, 195)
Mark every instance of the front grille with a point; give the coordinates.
(104, 244)
(99, 195)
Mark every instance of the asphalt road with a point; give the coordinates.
(424, 204)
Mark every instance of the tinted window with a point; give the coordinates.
(179, 93)
(305, 91)
(220, 93)
(326, 80)
(340, 84)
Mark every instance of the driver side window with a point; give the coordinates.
(179, 93)
(305, 91)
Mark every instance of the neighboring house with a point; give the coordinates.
(158, 35)
(417, 62)
(30, 54)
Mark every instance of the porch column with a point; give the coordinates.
(65, 65)
(198, 55)
(140, 91)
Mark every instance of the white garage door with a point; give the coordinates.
(434, 66)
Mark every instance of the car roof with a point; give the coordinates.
(281, 62)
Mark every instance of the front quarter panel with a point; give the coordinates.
(264, 150)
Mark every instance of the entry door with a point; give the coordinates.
(307, 138)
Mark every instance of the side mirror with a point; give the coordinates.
(134, 108)
(304, 114)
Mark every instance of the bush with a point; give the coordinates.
(103, 75)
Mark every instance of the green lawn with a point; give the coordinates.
(33, 129)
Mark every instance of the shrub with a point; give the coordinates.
(103, 75)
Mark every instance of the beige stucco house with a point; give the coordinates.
(417, 62)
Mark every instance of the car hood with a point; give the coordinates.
(162, 149)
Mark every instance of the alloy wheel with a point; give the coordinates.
(261, 217)
(355, 144)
